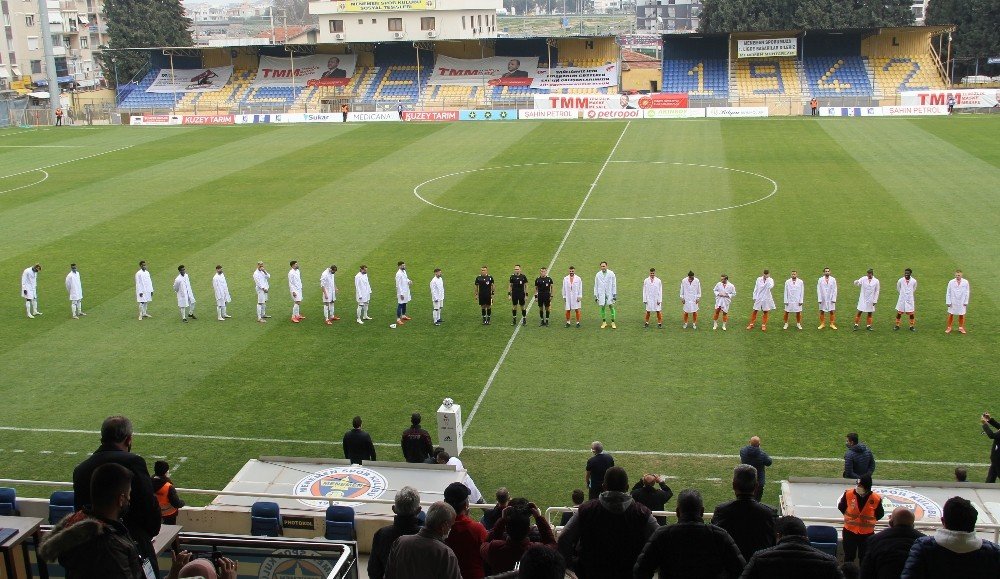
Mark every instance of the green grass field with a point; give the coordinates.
(852, 194)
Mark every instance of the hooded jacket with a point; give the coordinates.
(952, 554)
(757, 458)
(92, 548)
(609, 532)
(858, 461)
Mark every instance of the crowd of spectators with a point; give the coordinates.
(119, 510)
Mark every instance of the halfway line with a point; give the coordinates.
(517, 328)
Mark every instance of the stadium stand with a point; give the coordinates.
(767, 76)
(696, 66)
(138, 98)
(899, 73)
(829, 76)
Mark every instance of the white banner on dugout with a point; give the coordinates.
(577, 77)
(312, 70)
(766, 47)
(495, 71)
(975, 98)
(191, 79)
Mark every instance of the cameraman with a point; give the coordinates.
(218, 567)
(988, 421)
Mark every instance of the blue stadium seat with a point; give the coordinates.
(828, 76)
(823, 538)
(60, 505)
(8, 502)
(697, 77)
(265, 519)
(339, 523)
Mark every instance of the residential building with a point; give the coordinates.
(393, 20)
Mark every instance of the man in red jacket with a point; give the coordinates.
(466, 535)
(508, 539)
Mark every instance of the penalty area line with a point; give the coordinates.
(482, 448)
(517, 328)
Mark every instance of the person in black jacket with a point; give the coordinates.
(748, 522)
(753, 455)
(690, 548)
(358, 445)
(493, 515)
(406, 507)
(858, 459)
(416, 442)
(793, 557)
(654, 498)
(143, 516)
(987, 421)
(889, 548)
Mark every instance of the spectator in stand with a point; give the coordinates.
(404, 522)
(858, 460)
(466, 535)
(433, 458)
(645, 492)
(425, 554)
(493, 515)
(416, 441)
(509, 540)
(793, 557)
(748, 522)
(690, 548)
(358, 446)
(862, 508)
(889, 548)
(609, 531)
(142, 518)
(955, 550)
(166, 494)
(539, 562)
(221, 568)
(597, 465)
(753, 455)
(577, 501)
(961, 475)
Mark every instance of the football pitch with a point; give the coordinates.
(731, 196)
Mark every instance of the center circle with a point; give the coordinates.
(539, 185)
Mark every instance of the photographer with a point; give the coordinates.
(988, 421)
(502, 553)
(218, 567)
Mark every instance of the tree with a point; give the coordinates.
(977, 34)
(747, 15)
(296, 12)
(141, 24)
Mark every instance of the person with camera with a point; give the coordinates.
(509, 539)
(216, 567)
(988, 421)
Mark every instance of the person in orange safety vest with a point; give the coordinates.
(862, 508)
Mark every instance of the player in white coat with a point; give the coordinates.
(826, 295)
(690, 299)
(724, 293)
(328, 284)
(143, 290)
(867, 298)
(295, 288)
(437, 296)
(606, 293)
(795, 296)
(185, 295)
(362, 293)
(262, 285)
(572, 292)
(29, 289)
(763, 301)
(75, 289)
(403, 294)
(221, 288)
(652, 296)
(906, 304)
(957, 300)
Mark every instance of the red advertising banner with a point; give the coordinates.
(208, 120)
(430, 115)
(663, 100)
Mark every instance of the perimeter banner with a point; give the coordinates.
(312, 70)
(191, 79)
(611, 101)
(495, 71)
(977, 98)
(577, 77)
(766, 47)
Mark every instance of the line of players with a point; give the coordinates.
(605, 295)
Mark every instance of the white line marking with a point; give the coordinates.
(28, 185)
(517, 328)
(484, 448)
(774, 191)
(41, 146)
(65, 162)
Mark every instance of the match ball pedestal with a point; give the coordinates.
(449, 422)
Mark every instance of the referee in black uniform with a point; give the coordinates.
(516, 291)
(484, 293)
(543, 295)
